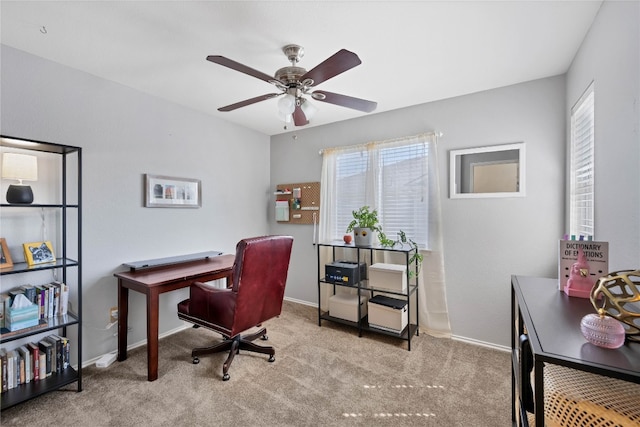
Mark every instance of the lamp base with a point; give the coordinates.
(20, 194)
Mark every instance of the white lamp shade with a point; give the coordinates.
(308, 109)
(284, 117)
(20, 167)
(287, 104)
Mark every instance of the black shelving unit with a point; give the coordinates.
(67, 266)
(364, 254)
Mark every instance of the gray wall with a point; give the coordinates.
(125, 134)
(488, 240)
(610, 57)
(485, 240)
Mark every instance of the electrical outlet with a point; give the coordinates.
(113, 315)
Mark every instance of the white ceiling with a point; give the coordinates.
(412, 52)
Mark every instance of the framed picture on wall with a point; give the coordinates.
(5, 256)
(171, 192)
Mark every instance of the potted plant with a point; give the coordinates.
(417, 257)
(364, 224)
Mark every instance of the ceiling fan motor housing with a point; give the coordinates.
(290, 76)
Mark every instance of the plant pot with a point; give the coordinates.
(362, 236)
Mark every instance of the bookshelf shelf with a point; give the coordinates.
(63, 201)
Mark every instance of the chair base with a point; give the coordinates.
(234, 345)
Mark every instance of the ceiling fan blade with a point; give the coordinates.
(248, 102)
(344, 101)
(299, 118)
(340, 62)
(241, 67)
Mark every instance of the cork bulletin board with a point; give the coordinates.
(303, 209)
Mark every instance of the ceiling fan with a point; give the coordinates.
(294, 82)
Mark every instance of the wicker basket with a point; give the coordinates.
(574, 398)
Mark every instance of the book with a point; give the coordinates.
(5, 300)
(29, 291)
(47, 349)
(50, 300)
(65, 350)
(42, 365)
(57, 355)
(11, 369)
(56, 298)
(21, 371)
(42, 300)
(35, 360)
(25, 364)
(3, 363)
(64, 298)
(596, 254)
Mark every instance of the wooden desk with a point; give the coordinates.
(152, 282)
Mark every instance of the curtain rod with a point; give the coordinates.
(433, 133)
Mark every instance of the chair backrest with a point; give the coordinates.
(259, 278)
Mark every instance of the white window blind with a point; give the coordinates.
(582, 164)
(397, 178)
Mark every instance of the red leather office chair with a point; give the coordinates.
(258, 280)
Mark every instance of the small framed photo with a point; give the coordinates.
(38, 252)
(170, 192)
(5, 256)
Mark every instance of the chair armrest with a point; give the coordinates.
(213, 305)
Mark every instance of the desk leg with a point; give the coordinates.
(152, 334)
(539, 392)
(123, 311)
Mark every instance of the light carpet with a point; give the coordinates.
(322, 376)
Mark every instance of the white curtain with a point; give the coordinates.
(432, 307)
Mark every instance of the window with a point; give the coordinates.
(582, 162)
(392, 178)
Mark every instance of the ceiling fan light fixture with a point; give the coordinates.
(308, 109)
(286, 118)
(287, 104)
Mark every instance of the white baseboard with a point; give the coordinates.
(481, 343)
(298, 301)
(130, 347)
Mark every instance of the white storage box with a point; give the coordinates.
(388, 314)
(345, 306)
(392, 277)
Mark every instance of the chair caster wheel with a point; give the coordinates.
(264, 338)
(225, 377)
(195, 360)
(272, 358)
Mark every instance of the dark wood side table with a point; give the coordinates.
(551, 320)
(154, 281)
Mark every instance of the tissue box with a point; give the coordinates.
(392, 277)
(20, 318)
(388, 314)
(345, 306)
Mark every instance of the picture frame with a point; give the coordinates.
(171, 192)
(5, 256)
(38, 253)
